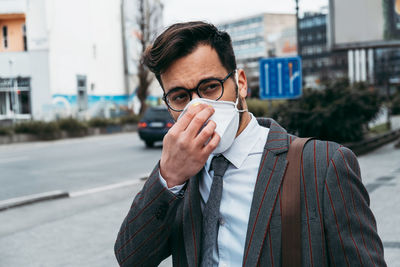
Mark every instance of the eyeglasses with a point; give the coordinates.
(211, 88)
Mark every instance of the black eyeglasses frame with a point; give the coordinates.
(196, 89)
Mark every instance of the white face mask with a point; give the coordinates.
(226, 117)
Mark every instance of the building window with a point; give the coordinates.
(24, 36)
(15, 97)
(5, 37)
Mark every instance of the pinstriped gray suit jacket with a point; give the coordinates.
(338, 227)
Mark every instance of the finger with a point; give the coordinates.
(198, 121)
(206, 133)
(190, 113)
(212, 144)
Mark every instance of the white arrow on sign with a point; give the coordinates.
(266, 69)
(295, 75)
(280, 78)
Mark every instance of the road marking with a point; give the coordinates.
(104, 188)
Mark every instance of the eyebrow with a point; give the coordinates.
(202, 80)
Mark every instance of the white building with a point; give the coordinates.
(68, 56)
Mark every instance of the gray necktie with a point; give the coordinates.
(211, 210)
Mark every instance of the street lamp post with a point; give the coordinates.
(297, 27)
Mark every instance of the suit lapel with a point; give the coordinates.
(269, 180)
(192, 219)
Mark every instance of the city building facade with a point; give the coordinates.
(371, 41)
(59, 57)
(319, 62)
(261, 36)
(387, 70)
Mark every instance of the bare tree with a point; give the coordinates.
(148, 22)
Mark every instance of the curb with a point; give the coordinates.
(58, 194)
(368, 145)
(30, 199)
(93, 131)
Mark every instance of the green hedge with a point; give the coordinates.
(6, 131)
(380, 129)
(44, 130)
(262, 108)
(102, 122)
(73, 127)
(339, 113)
(129, 119)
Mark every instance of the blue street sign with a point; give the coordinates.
(280, 78)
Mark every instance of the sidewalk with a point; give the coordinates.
(79, 231)
(380, 172)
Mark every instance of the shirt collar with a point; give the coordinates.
(244, 143)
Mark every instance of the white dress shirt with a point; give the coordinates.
(237, 195)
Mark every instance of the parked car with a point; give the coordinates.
(154, 125)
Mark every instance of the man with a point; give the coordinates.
(181, 209)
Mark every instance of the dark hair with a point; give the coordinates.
(181, 39)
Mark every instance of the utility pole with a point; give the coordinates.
(125, 50)
(297, 27)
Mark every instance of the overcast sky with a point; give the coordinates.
(216, 11)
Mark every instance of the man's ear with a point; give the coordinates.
(241, 82)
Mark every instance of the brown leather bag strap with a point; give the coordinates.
(291, 209)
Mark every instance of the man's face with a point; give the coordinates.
(201, 64)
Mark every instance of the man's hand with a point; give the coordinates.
(184, 147)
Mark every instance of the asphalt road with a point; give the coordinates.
(80, 231)
(73, 164)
